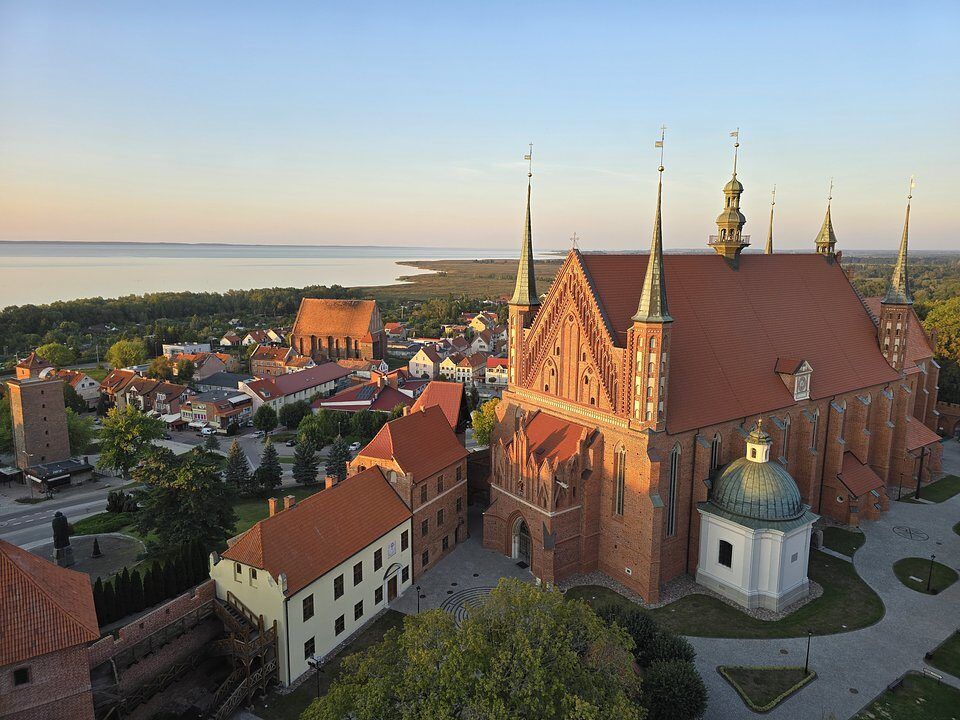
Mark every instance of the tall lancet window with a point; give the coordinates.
(785, 450)
(814, 427)
(716, 447)
(619, 474)
(672, 491)
(843, 419)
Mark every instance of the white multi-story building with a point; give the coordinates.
(321, 568)
(171, 349)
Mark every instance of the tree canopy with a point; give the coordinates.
(125, 438)
(484, 420)
(525, 653)
(160, 368)
(337, 458)
(125, 353)
(57, 354)
(265, 418)
(306, 464)
(269, 475)
(291, 414)
(237, 472)
(79, 432)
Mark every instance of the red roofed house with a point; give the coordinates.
(86, 387)
(638, 377)
(449, 397)
(204, 364)
(496, 371)
(395, 330)
(293, 387)
(426, 363)
(114, 384)
(268, 361)
(381, 394)
(47, 618)
(321, 568)
(426, 464)
(338, 329)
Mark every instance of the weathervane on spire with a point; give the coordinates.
(830, 194)
(913, 184)
(529, 158)
(659, 144)
(736, 149)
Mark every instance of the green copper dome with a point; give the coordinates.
(758, 490)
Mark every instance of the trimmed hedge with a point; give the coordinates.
(105, 522)
(766, 707)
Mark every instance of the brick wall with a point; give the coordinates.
(59, 688)
(39, 422)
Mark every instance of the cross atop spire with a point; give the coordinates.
(525, 292)
(826, 240)
(898, 293)
(653, 298)
(768, 250)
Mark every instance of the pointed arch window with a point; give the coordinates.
(672, 490)
(785, 450)
(619, 475)
(814, 427)
(716, 447)
(843, 419)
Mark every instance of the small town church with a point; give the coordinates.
(672, 414)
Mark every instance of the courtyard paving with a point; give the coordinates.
(855, 667)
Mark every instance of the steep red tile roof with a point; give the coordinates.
(258, 335)
(388, 398)
(300, 361)
(919, 435)
(731, 326)
(551, 438)
(918, 345)
(394, 326)
(33, 362)
(311, 377)
(72, 377)
(322, 530)
(496, 362)
(858, 478)
(43, 608)
(421, 443)
(431, 353)
(478, 359)
(340, 318)
(117, 379)
(170, 390)
(268, 352)
(142, 385)
(448, 396)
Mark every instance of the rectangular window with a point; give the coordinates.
(459, 473)
(338, 626)
(404, 540)
(378, 596)
(425, 527)
(253, 577)
(237, 571)
(378, 559)
(309, 648)
(446, 542)
(405, 574)
(725, 556)
(358, 573)
(338, 587)
(423, 494)
(358, 610)
(308, 607)
(425, 558)
(439, 484)
(439, 517)
(21, 676)
(459, 504)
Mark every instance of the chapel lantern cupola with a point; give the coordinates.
(826, 240)
(730, 240)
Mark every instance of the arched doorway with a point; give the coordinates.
(391, 581)
(522, 545)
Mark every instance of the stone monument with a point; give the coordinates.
(62, 552)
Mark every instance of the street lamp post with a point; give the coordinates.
(806, 663)
(418, 599)
(930, 572)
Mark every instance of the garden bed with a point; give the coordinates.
(947, 655)
(908, 569)
(943, 489)
(763, 688)
(916, 697)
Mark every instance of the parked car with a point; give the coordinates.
(258, 433)
(207, 431)
(167, 436)
(291, 443)
(354, 447)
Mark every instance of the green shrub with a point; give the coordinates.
(674, 691)
(105, 522)
(667, 646)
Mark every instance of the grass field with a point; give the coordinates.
(943, 489)
(250, 510)
(289, 707)
(918, 697)
(947, 656)
(942, 577)
(847, 603)
(763, 688)
(846, 542)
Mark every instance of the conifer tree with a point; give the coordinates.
(211, 442)
(237, 472)
(96, 548)
(305, 463)
(269, 474)
(136, 592)
(109, 604)
(337, 459)
(98, 600)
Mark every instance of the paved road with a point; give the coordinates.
(855, 667)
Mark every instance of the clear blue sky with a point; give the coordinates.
(405, 123)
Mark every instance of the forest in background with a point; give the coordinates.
(89, 326)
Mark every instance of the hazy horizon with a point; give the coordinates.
(303, 124)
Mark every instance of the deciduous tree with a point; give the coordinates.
(484, 420)
(72, 400)
(79, 432)
(265, 418)
(160, 368)
(125, 353)
(291, 414)
(57, 354)
(126, 436)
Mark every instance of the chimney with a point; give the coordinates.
(289, 501)
(406, 409)
(272, 504)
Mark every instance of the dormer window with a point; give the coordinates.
(796, 375)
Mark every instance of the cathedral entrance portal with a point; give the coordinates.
(522, 546)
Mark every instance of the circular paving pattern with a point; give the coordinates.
(910, 533)
(458, 603)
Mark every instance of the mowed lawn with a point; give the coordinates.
(845, 542)
(947, 656)
(250, 510)
(847, 603)
(918, 697)
(289, 707)
(940, 578)
(943, 489)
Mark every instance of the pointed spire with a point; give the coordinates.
(525, 292)
(768, 250)
(898, 293)
(730, 240)
(653, 298)
(826, 240)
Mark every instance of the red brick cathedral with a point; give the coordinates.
(638, 377)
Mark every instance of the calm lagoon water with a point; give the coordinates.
(42, 272)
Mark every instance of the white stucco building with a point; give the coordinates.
(321, 568)
(755, 531)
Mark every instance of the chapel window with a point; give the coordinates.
(725, 554)
(672, 492)
(619, 471)
(715, 448)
